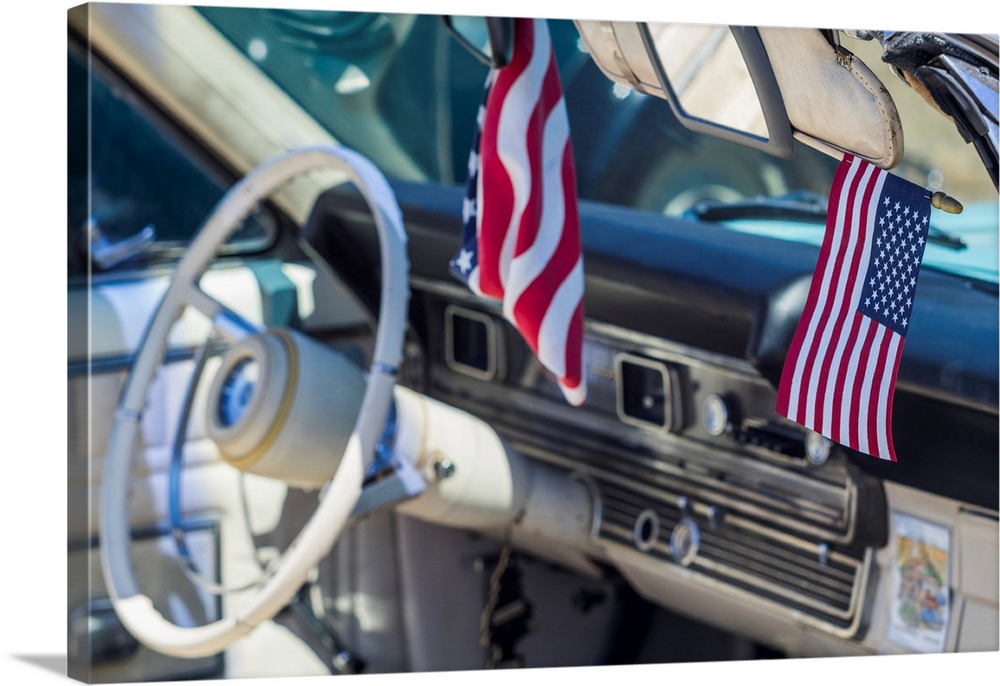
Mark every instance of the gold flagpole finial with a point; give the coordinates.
(943, 201)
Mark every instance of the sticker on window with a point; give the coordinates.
(921, 596)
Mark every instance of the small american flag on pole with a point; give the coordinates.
(521, 227)
(840, 373)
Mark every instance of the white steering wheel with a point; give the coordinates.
(338, 498)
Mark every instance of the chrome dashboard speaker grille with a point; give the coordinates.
(789, 541)
(804, 576)
(693, 473)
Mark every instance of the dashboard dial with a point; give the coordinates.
(715, 414)
(685, 540)
(817, 448)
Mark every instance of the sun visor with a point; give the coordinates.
(809, 89)
(619, 50)
(834, 101)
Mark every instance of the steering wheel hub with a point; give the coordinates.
(283, 406)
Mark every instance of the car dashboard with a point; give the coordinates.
(702, 497)
(743, 508)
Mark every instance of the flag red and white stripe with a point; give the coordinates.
(840, 374)
(527, 250)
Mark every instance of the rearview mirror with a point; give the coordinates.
(761, 87)
(696, 62)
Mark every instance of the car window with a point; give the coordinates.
(402, 91)
(394, 87)
(131, 172)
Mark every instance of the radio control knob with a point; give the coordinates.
(817, 448)
(685, 540)
(715, 415)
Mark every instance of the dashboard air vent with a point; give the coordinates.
(648, 393)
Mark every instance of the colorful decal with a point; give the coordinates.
(922, 598)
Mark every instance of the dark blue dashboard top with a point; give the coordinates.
(739, 294)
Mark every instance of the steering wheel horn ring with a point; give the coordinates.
(343, 489)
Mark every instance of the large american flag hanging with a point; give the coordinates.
(521, 232)
(840, 373)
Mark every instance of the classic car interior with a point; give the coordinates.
(298, 446)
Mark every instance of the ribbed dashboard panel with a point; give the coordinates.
(771, 527)
(783, 569)
(759, 536)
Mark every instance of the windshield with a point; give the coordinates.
(402, 91)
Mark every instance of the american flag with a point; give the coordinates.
(521, 227)
(840, 373)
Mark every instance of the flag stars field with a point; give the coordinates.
(903, 230)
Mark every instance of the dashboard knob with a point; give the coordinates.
(685, 540)
(715, 414)
(817, 448)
